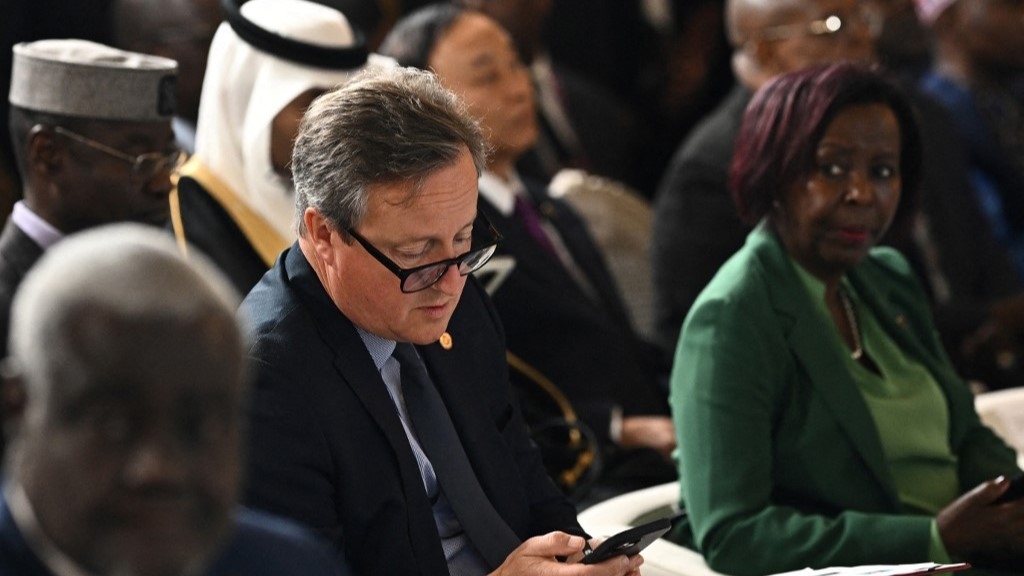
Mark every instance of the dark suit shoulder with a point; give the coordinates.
(18, 253)
(266, 545)
(16, 558)
(694, 226)
(711, 142)
(209, 228)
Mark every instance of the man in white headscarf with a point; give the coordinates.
(267, 63)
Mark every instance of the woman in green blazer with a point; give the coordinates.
(819, 420)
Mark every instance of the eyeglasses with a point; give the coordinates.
(144, 166)
(827, 26)
(425, 276)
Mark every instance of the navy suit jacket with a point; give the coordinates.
(585, 345)
(327, 444)
(261, 545)
(18, 253)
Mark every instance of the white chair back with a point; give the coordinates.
(1003, 412)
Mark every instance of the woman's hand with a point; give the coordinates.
(987, 534)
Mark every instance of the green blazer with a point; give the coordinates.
(780, 464)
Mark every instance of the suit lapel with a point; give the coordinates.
(530, 258)
(357, 370)
(578, 241)
(20, 251)
(826, 369)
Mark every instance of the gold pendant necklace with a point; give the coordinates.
(851, 318)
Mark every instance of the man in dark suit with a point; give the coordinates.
(383, 416)
(91, 129)
(561, 309)
(123, 395)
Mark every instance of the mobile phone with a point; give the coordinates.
(629, 542)
(1014, 492)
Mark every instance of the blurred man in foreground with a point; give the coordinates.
(123, 396)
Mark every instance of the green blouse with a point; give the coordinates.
(909, 410)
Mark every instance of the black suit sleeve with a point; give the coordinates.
(695, 230)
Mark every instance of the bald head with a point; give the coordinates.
(114, 276)
(124, 395)
(745, 18)
(772, 37)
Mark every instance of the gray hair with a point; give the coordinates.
(387, 125)
(129, 273)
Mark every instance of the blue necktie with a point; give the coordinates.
(485, 528)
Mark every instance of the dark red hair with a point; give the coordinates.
(776, 144)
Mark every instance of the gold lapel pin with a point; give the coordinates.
(446, 341)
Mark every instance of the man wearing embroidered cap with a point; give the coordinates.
(90, 127)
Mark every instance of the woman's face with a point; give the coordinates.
(830, 218)
(476, 59)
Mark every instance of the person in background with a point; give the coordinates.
(841, 433)
(177, 29)
(123, 397)
(559, 305)
(580, 123)
(976, 296)
(235, 200)
(383, 416)
(695, 226)
(903, 44)
(91, 129)
(976, 73)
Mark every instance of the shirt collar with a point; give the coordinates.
(500, 192)
(39, 230)
(380, 349)
(28, 525)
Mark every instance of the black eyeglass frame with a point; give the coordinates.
(442, 265)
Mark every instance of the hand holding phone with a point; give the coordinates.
(629, 542)
(1014, 492)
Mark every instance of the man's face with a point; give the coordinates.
(412, 229)
(852, 42)
(97, 188)
(132, 464)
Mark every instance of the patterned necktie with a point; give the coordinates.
(486, 529)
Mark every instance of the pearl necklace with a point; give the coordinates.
(851, 318)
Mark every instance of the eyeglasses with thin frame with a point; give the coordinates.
(143, 167)
(425, 276)
(827, 26)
